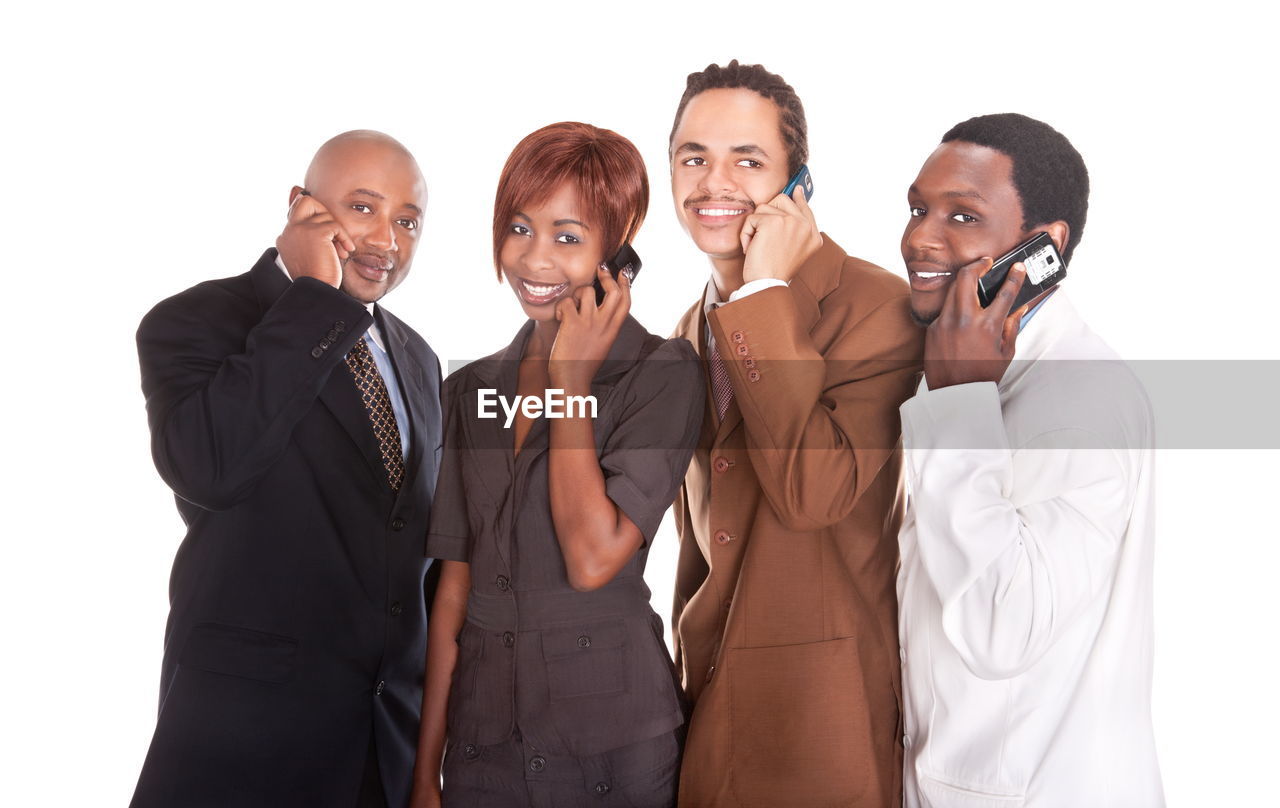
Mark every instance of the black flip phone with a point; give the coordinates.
(1044, 269)
(626, 260)
(802, 178)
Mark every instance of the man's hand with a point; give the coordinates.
(587, 331)
(968, 343)
(313, 244)
(779, 237)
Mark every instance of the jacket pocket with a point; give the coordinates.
(606, 686)
(243, 652)
(800, 723)
(590, 662)
(938, 793)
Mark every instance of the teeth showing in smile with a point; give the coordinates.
(542, 291)
(927, 275)
(719, 211)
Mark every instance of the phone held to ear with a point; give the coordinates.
(802, 178)
(625, 261)
(1045, 268)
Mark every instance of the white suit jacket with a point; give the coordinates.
(1025, 585)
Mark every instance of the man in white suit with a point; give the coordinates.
(1025, 585)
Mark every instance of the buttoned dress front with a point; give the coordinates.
(560, 697)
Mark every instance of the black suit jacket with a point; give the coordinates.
(298, 604)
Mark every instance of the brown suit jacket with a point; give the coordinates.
(785, 606)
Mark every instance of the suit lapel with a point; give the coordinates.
(343, 400)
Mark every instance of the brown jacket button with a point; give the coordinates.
(722, 464)
(723, 537)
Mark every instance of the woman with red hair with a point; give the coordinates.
(546, 668)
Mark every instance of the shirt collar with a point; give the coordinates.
(374, 332)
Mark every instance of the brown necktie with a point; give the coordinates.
(373, 392)
(721, 387)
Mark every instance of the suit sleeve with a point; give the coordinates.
(645, 457)
(1011, 575)
(224, 393)
(819, 426)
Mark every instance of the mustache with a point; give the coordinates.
(700, 201)
(373, 258)
(922, 258)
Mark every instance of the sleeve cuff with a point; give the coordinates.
(751, 287)
(448, 548)
(634, 504)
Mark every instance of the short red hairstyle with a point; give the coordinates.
(607, 169)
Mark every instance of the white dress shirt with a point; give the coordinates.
(1025, 585)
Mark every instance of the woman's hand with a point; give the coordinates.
(587, 332)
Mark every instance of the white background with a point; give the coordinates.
(146, 148)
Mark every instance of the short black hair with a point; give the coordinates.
(734, 76)
(1048, 173)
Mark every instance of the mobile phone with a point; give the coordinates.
(625, 261)
(1045, 268)
(802, 178)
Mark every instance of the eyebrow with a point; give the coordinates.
(366, 192)
(747, 148)
(952, 194)
(557, 222)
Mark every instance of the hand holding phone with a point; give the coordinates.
(313, 244)
(587, 331)
(626, 262)
(1044, 268)
(780, 235)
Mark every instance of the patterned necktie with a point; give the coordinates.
(721, 387)
(373, 392)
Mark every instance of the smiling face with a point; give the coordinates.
(550, 250)
(964, 206)
(375, 191)
(727, 157)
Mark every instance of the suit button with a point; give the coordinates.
(584, 641)
(397, 524)
(381, 687)
(340, 326)
(325, 343)
(508, 639)
(738, 336)
(317, 352)
(753, 375)
(728, 602)
(711, 672)
(396, 609)
(743, 350)
(537, 764)
(470, 752)
(503, 583)
(722, 464)
(602, 788)
(723, 537)
(749, 362)
(332, 335)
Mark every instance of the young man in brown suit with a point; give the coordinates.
(785, 609)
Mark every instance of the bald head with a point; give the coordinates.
(373, 188)
(362, 148)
